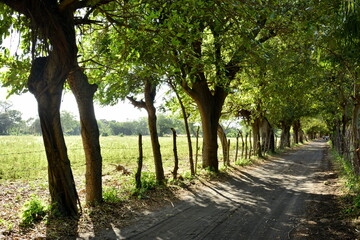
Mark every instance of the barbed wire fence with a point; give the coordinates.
(33, 164)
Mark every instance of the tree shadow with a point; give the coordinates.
(62, 228)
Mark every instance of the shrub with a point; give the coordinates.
(33, 211)
(148, 182)
(111, 195)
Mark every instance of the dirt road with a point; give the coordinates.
(260, 202)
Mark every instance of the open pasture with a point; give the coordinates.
(23, 157)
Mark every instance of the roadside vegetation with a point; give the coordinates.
(351, 197)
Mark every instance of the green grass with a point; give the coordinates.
(352, 182)
(23, 157)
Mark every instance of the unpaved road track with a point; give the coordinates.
(261, 202)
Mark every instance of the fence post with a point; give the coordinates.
(140, 163)
(176, 159)
(197, 147)
(246, 146)
(236, 147)
(228, 153)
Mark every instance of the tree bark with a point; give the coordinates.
(285, 135)
(47, 87)
(256, 137)
(176, 159)
(210, 106)
(296, 128)
(268, 138)
(224, 144)
(84, 93)
(242, 144)
(187, 129)
(355, 130)
(148, 105)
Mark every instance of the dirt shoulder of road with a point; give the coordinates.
(327, 216)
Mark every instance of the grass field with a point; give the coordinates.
(23, 157)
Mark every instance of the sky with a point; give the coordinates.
(26, 103)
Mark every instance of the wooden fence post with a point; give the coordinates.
(237, 147)
(228, 153)
(246, 146)
(140, 163)
(176, 159)
(197, 147)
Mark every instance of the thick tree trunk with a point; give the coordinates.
(272, 141)
(84, 93)
(210, 122)
(268, 136)
(210, 104)
(46, 83)
(296, 128)
(285, 135)
(256, 137)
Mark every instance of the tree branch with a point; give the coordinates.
(66, 3)
(136, 103)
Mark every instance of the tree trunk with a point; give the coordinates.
(84, 93)
(250, 145)
(149, 100)
(224, 144)
(296, 128)
(148, 105)
(285, 135)
(187, 129)
(272, 141)
(242, 144)
(46, 83)
(210, 146)
(355, 130)
(268, 137)
(210, 104)
(256, 137)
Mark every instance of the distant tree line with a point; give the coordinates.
(12, 123)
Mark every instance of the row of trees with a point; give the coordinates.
(274, 64)
(12, 123)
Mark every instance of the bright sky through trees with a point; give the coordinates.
(26, 104)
